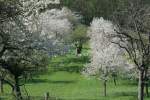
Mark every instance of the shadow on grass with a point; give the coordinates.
(116, 94)
(70, 64)
(129, 83)
(6, 96)
(70, 68)
(130, 95)
(82, 99)
(75, 59)
(2, 98)
(51, 98)
(40, 98)
(50, 81)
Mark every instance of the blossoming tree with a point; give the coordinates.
(106, 56)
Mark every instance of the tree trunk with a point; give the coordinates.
(17, 91)
(115, 80)
(141, 85)
(78, 51)
(105, 88)
(146, 83)
(114, 76)
(47, 96)
(79, 48)
(146, 90)
(1, 86)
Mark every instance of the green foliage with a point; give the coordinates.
(95, 8)
(79, 34)
(92, 8)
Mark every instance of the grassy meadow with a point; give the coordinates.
(63, 81)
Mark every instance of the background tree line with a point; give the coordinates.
(95, 8)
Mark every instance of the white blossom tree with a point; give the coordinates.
(55, 23)
(19, 36)
(106, 56)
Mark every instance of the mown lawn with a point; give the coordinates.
(64, 81)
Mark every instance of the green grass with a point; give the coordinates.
(73, 86)
(64, 81)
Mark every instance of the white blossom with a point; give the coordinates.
(105, 56)
(55, 22)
